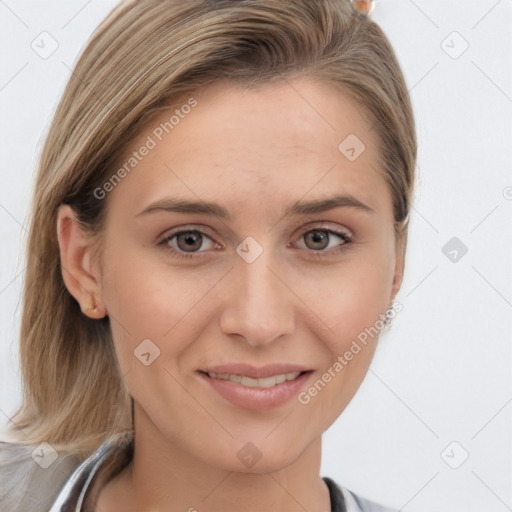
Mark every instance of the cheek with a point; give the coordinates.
(146, 296)
(350, 301)
(147, 299)
(353, 297)
(153, 313)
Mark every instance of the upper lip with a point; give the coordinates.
(256, 372)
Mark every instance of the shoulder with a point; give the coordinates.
(356, 503)
(93, 472)
(40, 479)
(31, 476)
(348, 501)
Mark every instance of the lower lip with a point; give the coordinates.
(257, 398)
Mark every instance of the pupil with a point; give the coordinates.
(317, 237)
(191, 241)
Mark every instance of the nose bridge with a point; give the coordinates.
(259, 307)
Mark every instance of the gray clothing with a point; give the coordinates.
(69, 484)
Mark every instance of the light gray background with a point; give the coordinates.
(443, 372)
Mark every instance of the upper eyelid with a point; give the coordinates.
(341, 232)
(186, 229)
(311, 225)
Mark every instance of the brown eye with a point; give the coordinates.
(189, 241)
(324, 242)
(317, 239)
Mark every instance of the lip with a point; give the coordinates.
(256, 372)
(256, 398)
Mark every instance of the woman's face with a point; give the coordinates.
(286, 255)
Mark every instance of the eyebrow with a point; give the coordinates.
(178, 205)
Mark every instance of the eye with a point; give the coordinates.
(188, 241)
(191, 243)
(324, 241)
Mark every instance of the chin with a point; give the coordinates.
(256, 456)
(262, 466)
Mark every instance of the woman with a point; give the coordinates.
(217, 238)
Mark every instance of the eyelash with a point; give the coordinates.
(319, 253)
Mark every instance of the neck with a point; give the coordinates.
(163, 476)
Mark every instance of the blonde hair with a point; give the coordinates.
(145, 54)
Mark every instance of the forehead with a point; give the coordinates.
(291, 138)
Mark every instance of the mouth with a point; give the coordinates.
(249, 382)
(255, 388)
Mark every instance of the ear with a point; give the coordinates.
(398, 276)
(80, 270)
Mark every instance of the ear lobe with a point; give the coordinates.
(399, 266)
(79, 272)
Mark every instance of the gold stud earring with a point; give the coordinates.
(91, 310)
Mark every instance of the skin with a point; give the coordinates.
(253, 152)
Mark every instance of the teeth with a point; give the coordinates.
(266, 382)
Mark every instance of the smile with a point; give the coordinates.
(249, 382)
(256, 388)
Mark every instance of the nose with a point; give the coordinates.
(260, 304)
